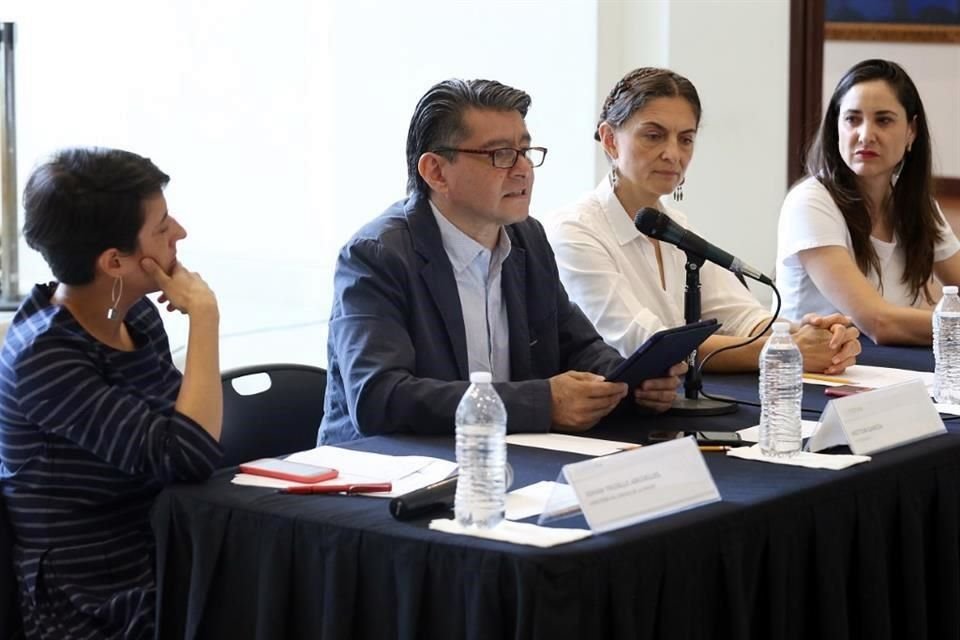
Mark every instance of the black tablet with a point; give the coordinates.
(661, 351)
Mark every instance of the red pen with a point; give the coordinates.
(369, 487)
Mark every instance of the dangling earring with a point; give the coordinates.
(678, 192)
(897, 170)
(613, 176)
(115, 294)
(895, 176)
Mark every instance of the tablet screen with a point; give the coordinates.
(661, 351)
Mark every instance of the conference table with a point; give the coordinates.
(871, 551)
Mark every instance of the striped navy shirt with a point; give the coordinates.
(88, 436)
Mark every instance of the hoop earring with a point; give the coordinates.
(678, 192)
(115, 294)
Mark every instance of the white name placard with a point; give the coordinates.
(877, 420)
(626, 488)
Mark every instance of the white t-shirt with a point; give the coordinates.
(809, 218)
(610, 270)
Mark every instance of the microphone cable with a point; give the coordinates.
(750, 340)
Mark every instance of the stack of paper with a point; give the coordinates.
(407, 473)
(864, 375)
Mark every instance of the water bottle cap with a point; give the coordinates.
(950, 289)
(781, 326)
(481, 377)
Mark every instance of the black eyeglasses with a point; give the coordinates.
(506, 157)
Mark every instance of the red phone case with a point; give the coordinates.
(297, 472)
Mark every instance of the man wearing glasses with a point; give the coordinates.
(458, 278)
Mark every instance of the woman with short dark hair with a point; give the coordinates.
(94, 417)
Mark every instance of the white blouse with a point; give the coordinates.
(610, 270)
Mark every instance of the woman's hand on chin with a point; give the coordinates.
(182, 290)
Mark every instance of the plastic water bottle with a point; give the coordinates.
(481, 423)
(946, 347)
(781, 393)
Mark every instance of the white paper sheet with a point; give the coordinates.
(376, 466)
(407, 473)
(572, 444)
(951, 409)
(515, 532)
(802, 459)
(529, 500)
(863, 375)
(752, 434)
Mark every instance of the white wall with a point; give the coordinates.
(223, 101)
(632, 34)
(736, 52)
(934, 68)
(387, 54)
(283, 124)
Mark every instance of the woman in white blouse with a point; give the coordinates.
(862, 234)
(630, 285)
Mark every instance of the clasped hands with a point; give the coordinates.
(829, 344)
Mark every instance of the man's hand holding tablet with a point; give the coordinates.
(655, 357)
(579, 399)
(653, 370)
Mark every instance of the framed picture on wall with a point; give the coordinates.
(893, 20)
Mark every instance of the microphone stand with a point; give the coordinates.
(692, 403)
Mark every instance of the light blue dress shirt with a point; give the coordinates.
(477, 271)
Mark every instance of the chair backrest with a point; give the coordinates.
(279, 419)
(10, 622)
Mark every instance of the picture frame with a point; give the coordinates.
(927, 21)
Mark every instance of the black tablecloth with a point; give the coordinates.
(867, 552)
(10, 622)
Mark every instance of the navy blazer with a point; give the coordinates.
(397, 349)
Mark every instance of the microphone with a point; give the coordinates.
(433, 498)
(656, 224)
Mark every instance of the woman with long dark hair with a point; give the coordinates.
(862, 234)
